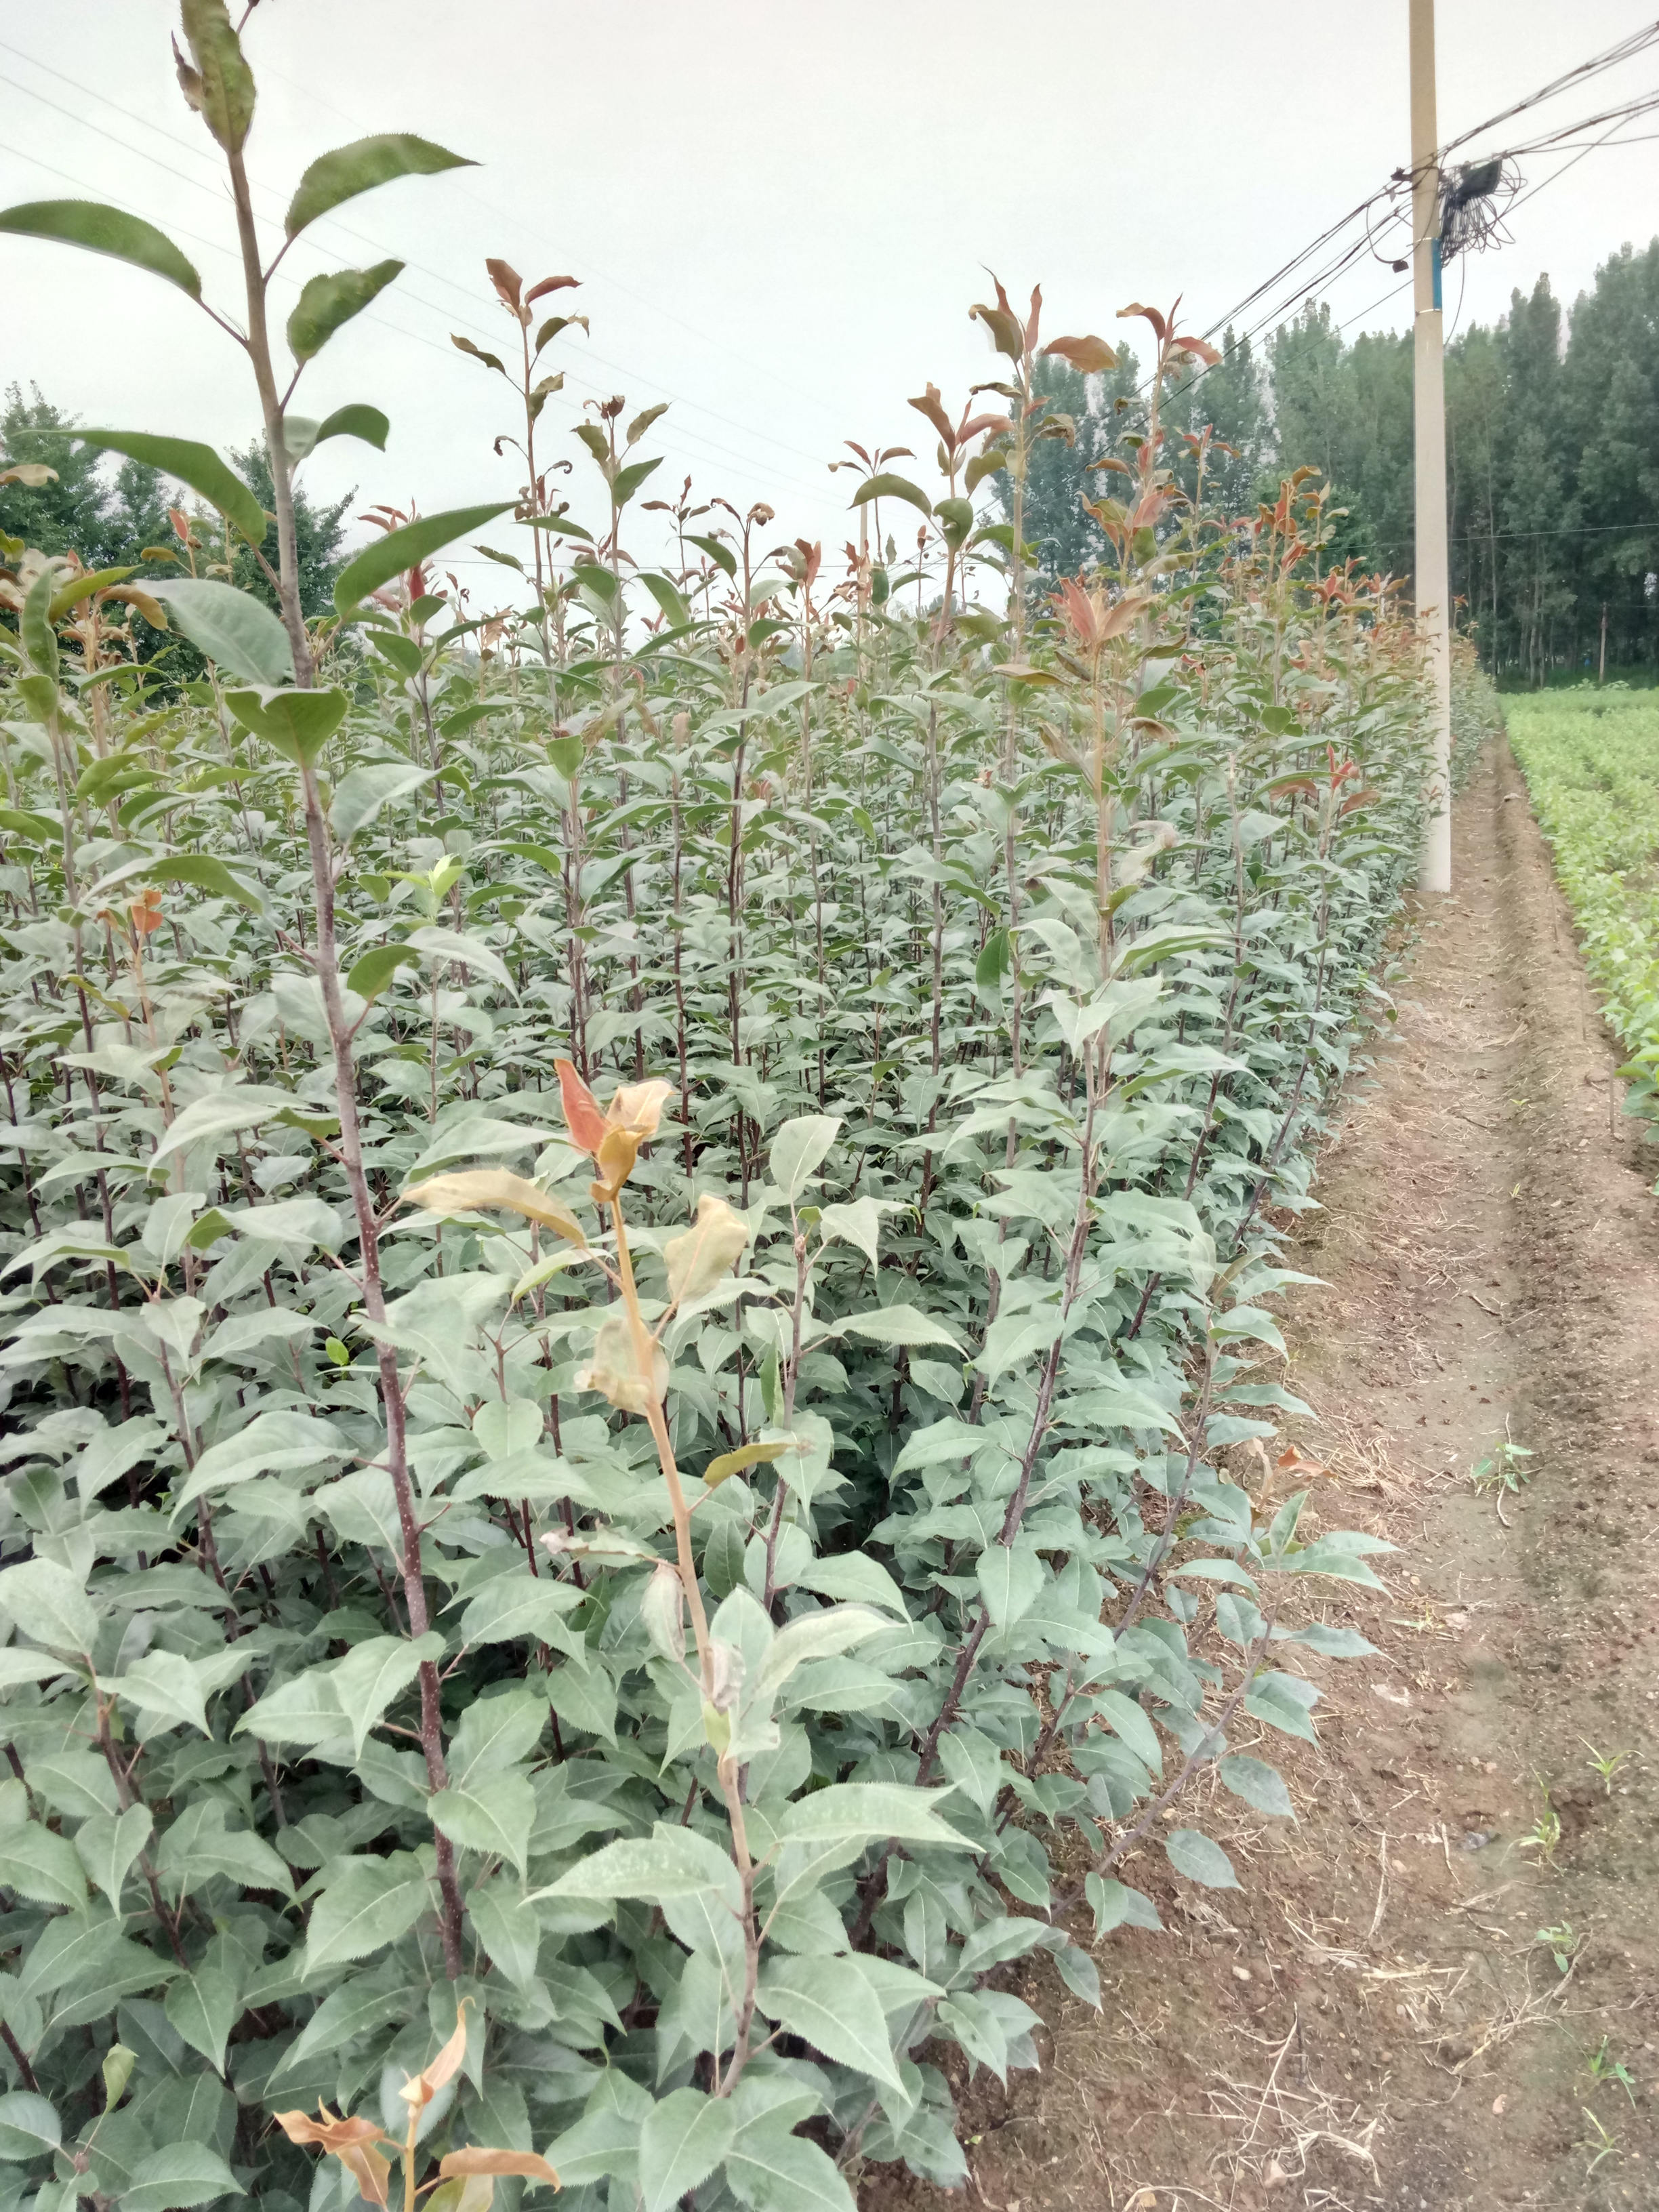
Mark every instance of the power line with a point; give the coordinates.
(1629, 111)
(1622, 50)
(315, 98)
(1585, 530)
(788, 384)
(362, 237)
(703, 446)
(1625, 49)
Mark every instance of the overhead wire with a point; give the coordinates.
(184, 145)
(1624, 50)
(745, 465)
(741, 466)
(469, 191)
(345, 229)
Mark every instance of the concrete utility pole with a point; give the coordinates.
(1432, 580)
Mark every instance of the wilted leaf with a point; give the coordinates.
(632, 1376)
(479, 1190)
(707, 1250)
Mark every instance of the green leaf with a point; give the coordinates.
(197, 1846)
(1283, 1701)
(721, 555)
(509, 1929)
(463, 951)
(854, 1576)
(39, 640)
(163, 1683)
(102, 230)
(182, 2175)
(68, 596)
(830, 2002)
(17, 1665)
(685, 2138)
(373, 1673)
(605, 2142)
(1115, 1905)
(565, 527)
(1014, 1339)
(815, 1636)
(221, 1113)
(204, 2007)
(298, 723)
(492, 1814)
(667, 596)
(1332, 1642)
(360, 2005)
(1125, 1719)
(369, 1904)
(897, 1324)
(1010, 1581)
(490, 360)
(41, 1866)
(399, 551)
(798, 1149)
(29, 2126)
(629, 480)
(846, 1809)
(77, 1953)
(996, 962)
(886, 485)
(302, 436)
(49, 1605)
(369, 977)
(328, 301)
(363, 791)
(775, 2171)
(202, 869)
(303, 1711)
(337, 177)
(38, 827)
(117, 2070)
(858, 1223)
(671, 1862)
(108, 1844)
(194, 464)
(512, 1606)
(1258, 1784)
(222, 90)
(237, 632)
(1200, 1858)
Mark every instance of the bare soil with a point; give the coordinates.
(1372, 2020)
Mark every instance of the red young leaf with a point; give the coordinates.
(581, 1109)
(930, 405)
(508, 281)
(1089, 356)
(549, 284)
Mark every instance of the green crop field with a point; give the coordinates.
(632, 1229)
(1591, 761)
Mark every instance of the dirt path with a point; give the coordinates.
(1372, 2020)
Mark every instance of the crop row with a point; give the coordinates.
(1591, 761)
(642, 1426)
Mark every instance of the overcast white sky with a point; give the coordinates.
(780, 216)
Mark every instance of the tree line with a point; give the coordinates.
(122, 518)
(1552, 445)
(1553, 459)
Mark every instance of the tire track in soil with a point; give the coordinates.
(1369, 2021)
